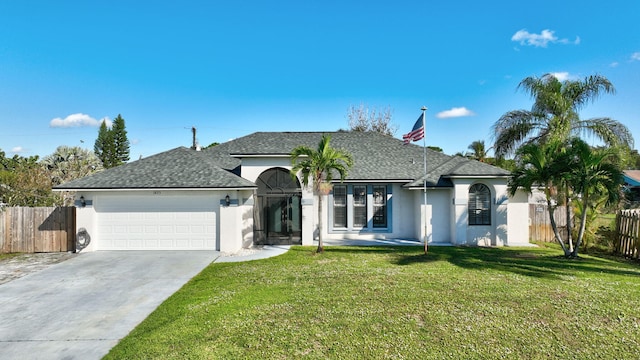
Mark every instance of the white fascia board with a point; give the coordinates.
(159, 189)
(372, 181)
(477, 176)
(429, 187)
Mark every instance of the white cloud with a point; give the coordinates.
(561, 76)
(77, 120)
(635, 56)
(455, 112)
(540, 40)
(18, 149)
(614, 64)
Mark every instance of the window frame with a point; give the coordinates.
(366, 204)
(382, 205)
(479, 205)
(341, 205)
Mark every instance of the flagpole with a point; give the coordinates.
(424, 146)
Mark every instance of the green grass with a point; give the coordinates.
(4, 256)
(397, 303)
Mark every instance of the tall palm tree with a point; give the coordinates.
(319, 167)
(554, 115)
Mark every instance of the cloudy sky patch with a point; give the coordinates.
(78, 120)
(454, 113)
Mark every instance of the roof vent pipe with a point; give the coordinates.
(194, 145)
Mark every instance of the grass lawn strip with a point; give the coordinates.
(397, 303)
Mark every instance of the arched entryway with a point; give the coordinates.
(278, 210)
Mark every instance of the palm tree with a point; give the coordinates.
(478, 151)
(592, 176)
(554, 115)
(538, 168)
(319, 167)
(68, 163)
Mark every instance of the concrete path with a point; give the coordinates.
(82, 307)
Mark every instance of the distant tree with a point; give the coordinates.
(362, 118)
(112, 145)
(478, 151)
(215, 143)
(24, 182)
(120, 141)
(319, 166)
(68, 163)
(103, 147)
(435, 148)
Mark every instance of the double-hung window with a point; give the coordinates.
(379, 206)
(340, 206)
(360, 207)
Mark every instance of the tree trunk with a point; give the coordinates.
(583, 225)
(567, 204)
(320, 244)
(554, 226)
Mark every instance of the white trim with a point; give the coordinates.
(157, 189)
(476, 176)
(372, 181)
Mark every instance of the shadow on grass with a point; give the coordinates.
(533, 262)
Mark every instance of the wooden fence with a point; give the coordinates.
(628, 233)
(540, 225)
(41, 229)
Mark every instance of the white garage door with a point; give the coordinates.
(152, 222)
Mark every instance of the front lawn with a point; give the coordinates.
(397, 303)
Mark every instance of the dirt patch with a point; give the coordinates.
(25, 264)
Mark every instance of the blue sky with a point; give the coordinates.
(230, 68)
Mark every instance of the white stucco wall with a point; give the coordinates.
(518, 219)
(440, 229)
(496, 234)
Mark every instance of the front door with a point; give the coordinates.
(278, 209)
(283, 219)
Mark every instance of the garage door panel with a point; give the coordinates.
(145, 223)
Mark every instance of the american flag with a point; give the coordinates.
(416, 133)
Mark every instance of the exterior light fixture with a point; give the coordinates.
(83, 203)
(227, 200)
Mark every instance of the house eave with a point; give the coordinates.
(106, 189)
(476, 176)
(369, 181)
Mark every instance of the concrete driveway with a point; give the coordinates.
(82, 307)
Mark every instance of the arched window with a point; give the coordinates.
(479, 205)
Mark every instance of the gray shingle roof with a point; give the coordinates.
(180, 168)
(376, 156)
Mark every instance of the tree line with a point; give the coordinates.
(27, 181)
